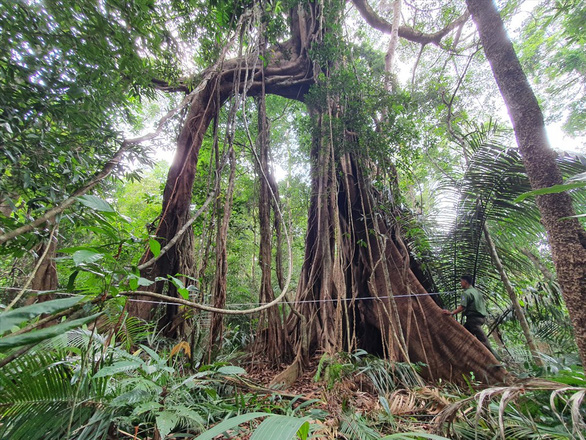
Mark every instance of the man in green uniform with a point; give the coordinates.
(472, 304)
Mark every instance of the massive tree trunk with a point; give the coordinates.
(357, 289)
(566, 236)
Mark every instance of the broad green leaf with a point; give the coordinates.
(86, 256)
(73, 249)
(153, 354)
(229, 424)
(230, 370)
(166, 421)
(184, 293)
(133, 283)
(551, 190)
(155, 247)
(118, 367)
(110, 232)
(146, 407)
(177, 282)
(279, 427)
(95, 203)
(40, 335)
(17, 316)
(144, 282)
(303, 431)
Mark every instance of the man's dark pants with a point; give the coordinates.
(474, 325)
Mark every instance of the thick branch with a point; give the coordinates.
(379, 23)
(166, 87)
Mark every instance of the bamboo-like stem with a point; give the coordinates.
(512, 296)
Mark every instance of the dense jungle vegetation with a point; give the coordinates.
(245, 218)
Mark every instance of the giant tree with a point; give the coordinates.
(357, 287)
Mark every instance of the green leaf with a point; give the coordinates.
(574, 216)
(73, 249)
(40, 335)
(153, 354)
(229, 424)
(144, 282)
(86, 257)
(177, 282)
(118, 367)
(71, 280)
(551, 190)
(110, 232)
(230, 370)
(95, 203)
(303, 431)
(155, 247)
(17, 316)
(184, 293)
(166, 421)
(279, 427)
(133, 283)
(146, 407)
(190, 414)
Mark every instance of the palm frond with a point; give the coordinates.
(535, 409)
(357, 427)
(42, 398)
(494, 178)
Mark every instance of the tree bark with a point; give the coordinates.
(566, 237)
(393, 42)
(46, 276)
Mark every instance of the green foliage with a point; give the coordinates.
(414, 436)
(53, 404)
(34, 337)
(357, 427)
(494, 177)
(18, 316)
(333, 369)
(553, 53)
(70, 77)
(119, 390)
(273, 427)
(385, 376)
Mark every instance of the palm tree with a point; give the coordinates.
(491, 228)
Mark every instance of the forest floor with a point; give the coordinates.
(352, 397)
